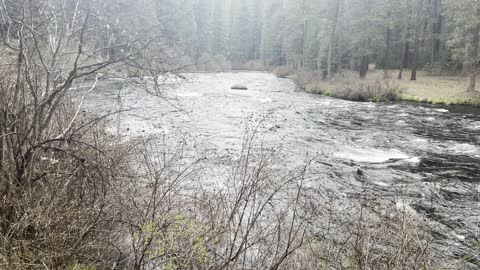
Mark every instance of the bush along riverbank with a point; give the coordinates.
(445, 90)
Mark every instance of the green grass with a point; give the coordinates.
(473, 101)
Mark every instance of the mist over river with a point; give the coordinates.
(425, 158)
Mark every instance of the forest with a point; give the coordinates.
(439, 36)
(239, 134)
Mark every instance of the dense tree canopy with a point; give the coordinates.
(329, 35)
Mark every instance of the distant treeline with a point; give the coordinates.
(325, 35)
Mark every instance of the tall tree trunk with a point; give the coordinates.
(339, 59)
(387, 44)
(466, 71)
(473, 59)
(387, 54)
(406, 53)
(365, 60)
(417, 40)
(405, 49)
(364, 66)
(436, 30)
(353, 61)
(305, 32)
(404, 59)
(332, 39)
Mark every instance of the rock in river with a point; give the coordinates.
(239, 87)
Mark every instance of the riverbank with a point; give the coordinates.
(447, 90)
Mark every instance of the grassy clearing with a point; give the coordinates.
(448, 90)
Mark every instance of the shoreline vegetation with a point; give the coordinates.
(439, 90)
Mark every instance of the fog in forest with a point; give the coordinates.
(239, 134)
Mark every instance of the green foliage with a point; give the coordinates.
(472, 101)
(463, 18)
(173, 242)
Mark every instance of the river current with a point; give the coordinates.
(426, 155)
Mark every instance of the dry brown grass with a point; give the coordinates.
(429, 89)
(346, 86)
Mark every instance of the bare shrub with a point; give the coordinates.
(371, 235)
(60, 210)
(60, 170)
(233, 224)
(260, 217)
(304, 78)
(378, 90)
(345, 85)
(282, 71)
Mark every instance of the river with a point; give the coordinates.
(426, 155)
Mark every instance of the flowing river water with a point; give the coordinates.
(426, 155)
